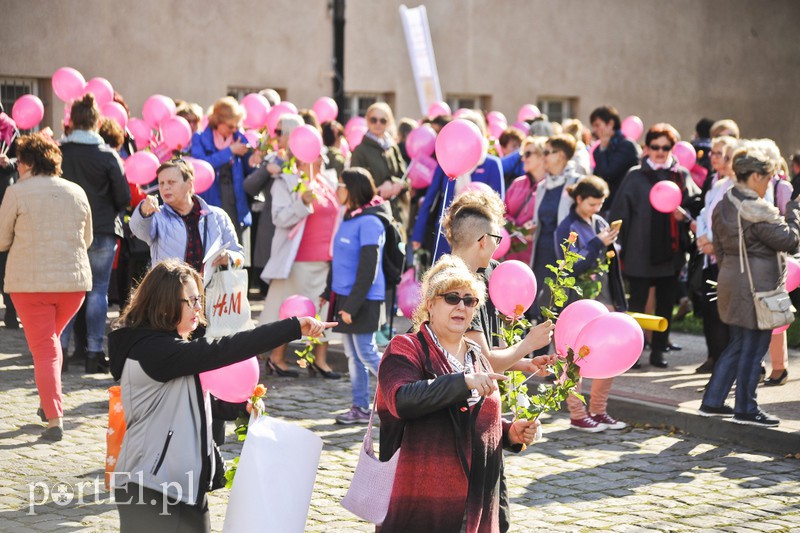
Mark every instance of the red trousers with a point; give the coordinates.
(44, 315)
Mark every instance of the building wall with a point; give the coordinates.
(663, 60)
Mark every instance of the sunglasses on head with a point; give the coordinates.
(660, 147)
(375, 120)
(452, 298)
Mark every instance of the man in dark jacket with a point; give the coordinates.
(615, 154)
(98, 170)
(8, 173)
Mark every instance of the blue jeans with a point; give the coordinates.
(101, 260)
(362, 358)
(740, 361)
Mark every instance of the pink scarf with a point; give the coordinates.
(221, 143)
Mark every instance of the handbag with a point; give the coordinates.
(227, 307)
(371, 488)
(773, 308)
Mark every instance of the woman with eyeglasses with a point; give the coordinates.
(168, 462)
(654, 244)
(438, 401)
(380, 155)
(747, 228)
(521, 194)
(46, 228)
(224, 146)
(305, 211)
(551, 205)
(715, 331)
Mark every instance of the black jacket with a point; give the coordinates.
(613, 163)
(98, 170)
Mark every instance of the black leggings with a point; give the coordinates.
(143, 510)
(666, 291)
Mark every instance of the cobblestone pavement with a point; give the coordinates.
(641, 479)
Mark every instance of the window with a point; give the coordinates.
(467, 101)
(356, 104)
(13, 88)
(558, 109)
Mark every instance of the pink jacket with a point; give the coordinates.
(520, 205)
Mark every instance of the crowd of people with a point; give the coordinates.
(325, 230)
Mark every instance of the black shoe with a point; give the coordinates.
(79, 354)
(780, 380)
(726, 411)
(705, 368)
(288, 373)
(673, 348)
(759, 418)
(762, 377)
(657, 360)
(96, 363)
(54, 433)
(327, 374)
(40, 412)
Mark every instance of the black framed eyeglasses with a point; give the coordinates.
(375, 120)
(497, 238)
(193, 302)
(453, 298)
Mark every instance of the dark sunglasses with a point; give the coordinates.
(660, 148)
(375, 120)
(526, 155)
(452, 298)
(497, 238)
(548, 152)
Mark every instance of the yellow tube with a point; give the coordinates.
(650, 322)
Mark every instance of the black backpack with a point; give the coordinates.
(394, 251)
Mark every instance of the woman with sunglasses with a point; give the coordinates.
(715, 331)
(521, 194)
(438, 401)
(168, 463)
(380, 155)
(654, 244)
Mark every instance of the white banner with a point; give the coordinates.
(420, 51)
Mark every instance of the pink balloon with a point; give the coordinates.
(522, 126)
(274, 115)
(665, 196)
(792, 274)
(496, 129)
(141, 131)
(157, 109)
(459, 147)
(460, 112)
(326, 109)
(504, 246)
(699, 174)
(476, 186)
(778, 331)
(297, 305)
(685, 154)
(572, 320)
(233, 383)
(176, 132)
(409, 293)
(141, 167)
(512, 286)
(355, 135)
(68, 83)
(421, 142)
(203, 174)
(28, 111)
(615, 342)
(67, 113)
(305, 142)
(632, 128)
(101, 89)
(355, 122)
(257, 108)
(496, 116)
(253, 138)
(438, 109)
(115, 112)
(528, 112)
(592, 148)
(420, 171)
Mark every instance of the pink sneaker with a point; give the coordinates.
(587, 424)
(611, 423)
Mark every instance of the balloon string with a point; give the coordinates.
(441, 217)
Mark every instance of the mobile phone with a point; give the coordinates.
(616, 225)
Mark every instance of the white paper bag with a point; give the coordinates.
(274, 479)
(227, 307)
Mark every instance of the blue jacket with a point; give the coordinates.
(490, 173)
(513, 166)
(203, 148)
(165, 233)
